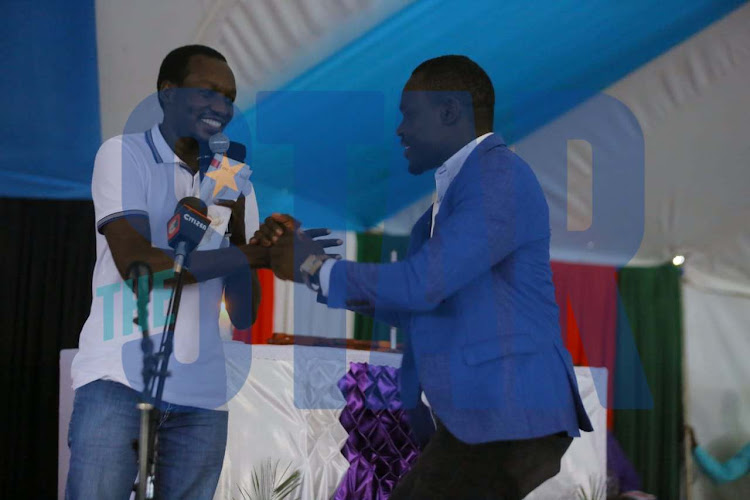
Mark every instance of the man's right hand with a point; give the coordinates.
(276, 224)
(272, 228)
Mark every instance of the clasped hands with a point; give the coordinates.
(289, 247)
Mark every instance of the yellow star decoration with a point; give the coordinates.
(224, 175)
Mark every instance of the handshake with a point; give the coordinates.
(294, 254)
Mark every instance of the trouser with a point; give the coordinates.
(500, 470)
(103, 434)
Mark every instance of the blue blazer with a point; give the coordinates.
(478, 305)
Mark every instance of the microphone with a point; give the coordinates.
(219, 146)
(229, 175)
(186, 229)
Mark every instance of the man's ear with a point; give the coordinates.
(166, 92)
(450, 110)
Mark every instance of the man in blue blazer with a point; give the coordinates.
(474, 294)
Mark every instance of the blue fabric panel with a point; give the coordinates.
(50, 128)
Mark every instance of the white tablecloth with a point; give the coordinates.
(264, 421)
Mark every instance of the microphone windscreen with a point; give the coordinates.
(219, 143)
(193, 203)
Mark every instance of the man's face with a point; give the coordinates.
(203, 104)
(421, 130)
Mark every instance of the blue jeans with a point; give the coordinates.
(104, 429)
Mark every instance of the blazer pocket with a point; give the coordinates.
(498, 347)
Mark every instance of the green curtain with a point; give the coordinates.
(651, 314)
(373, 247)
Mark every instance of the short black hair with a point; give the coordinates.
(174, 67)
(461, 74)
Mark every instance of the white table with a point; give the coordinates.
(265, 423)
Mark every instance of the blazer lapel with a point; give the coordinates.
(420, 232)
(468, 169)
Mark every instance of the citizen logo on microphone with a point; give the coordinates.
(186, 228)
(195, 221)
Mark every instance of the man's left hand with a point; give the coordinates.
(289, 246)
(290, 251)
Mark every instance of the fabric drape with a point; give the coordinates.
(652, 313)
(587, 298)
(48, 254)
(380, 448)
(377, 248)
(262, 329)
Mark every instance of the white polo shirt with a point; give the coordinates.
(140, 174)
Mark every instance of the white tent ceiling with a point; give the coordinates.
(265, 42)
(693, 105)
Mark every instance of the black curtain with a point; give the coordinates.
(48, 255)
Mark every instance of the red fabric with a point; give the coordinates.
(262, 330)
(587, 298)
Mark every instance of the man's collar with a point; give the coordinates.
(159, 147)
(453, 164)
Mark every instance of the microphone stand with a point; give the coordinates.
(137, 272)
(155, 373)
(156, 365)
(167, 340)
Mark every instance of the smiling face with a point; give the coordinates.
(202, 105)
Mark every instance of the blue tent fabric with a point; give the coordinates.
(531, 50)
(51, 128)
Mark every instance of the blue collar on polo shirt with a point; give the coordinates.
(161, 150)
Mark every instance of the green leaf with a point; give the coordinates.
(269, 484)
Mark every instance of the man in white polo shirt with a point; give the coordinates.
(137, 181)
